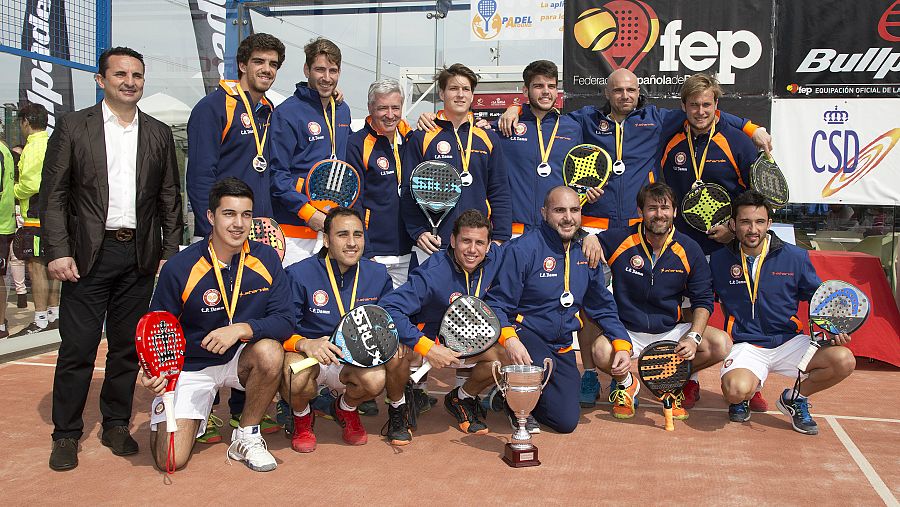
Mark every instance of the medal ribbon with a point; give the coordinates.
(230, 305)
(698, 172)
(478, 288)
(397, 157)
(331, 124)
(757, 271)
(467, 153)
(334, 287)
(262, 143)
(620, 140)
(647, 250)
(545, 154)
(566, 274)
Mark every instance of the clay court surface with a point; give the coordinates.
(855, 459)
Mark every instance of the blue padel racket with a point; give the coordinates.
(367, 337)
(332, 183)
(436, 187)
(487, 9)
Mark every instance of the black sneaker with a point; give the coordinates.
(798, 410)
(466, 412)
(531, 424)
(368, 408)
(32, 328)
(396, 429)
(119, 440)
(739, 412)
(64, 455)
(285, 417)
(422, 400)
(5, 332)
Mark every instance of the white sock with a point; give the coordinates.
(399, 402)
(40, 318)
(626, 382)
(249, 431)
(695, 377)
(463, 394)
(3, 327)
(345, 406)
(302, 413)
(52, 313)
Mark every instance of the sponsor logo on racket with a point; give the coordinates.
(454, 296)
(212, 297)
(521, 129)
(549, 264)
(382, 162)
(680, 158)
(314, 128)
(245, 120)
(443, 147)
(320, 298)
(637, 262)
(736, 271)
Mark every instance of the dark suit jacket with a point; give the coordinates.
(74, 193)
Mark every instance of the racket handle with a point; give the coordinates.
(303, 364)
(168, 399)
(418, 374)
(667, 411)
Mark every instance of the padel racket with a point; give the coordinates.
(836, 307)
(436, 187)
(664, 373)
(487, 8)
(705, 206)
(366, 336)
(586, 166)
(332, 183)
(160, 345)
(767, 179)
(268, 232)
(469, 327)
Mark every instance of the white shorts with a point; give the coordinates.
(297, 249)
(421, 255)
(397, 267)
(330, 377)
(196, 391)
(639, 341)
(783, 359)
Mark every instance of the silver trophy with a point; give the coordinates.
(522, 386)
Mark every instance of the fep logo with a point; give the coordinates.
(622, 31)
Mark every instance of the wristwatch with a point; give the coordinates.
(697, 337)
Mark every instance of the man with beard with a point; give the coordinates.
(654, 267)
(760, 281)
(544, 281)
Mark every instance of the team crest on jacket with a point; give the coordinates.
(245, 120)
(443, 147)
(212, 297)
(680, 158)
(549, 264)
(320, 298)
(382, 163)
(736, 271)
(454, 296)
(637, 262)
(314, 128)
(521, 129)
(604, 126)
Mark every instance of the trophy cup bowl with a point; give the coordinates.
(521, 385)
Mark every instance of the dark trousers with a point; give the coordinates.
(115, 292)
(558, 405)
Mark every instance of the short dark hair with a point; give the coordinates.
(103, 63)
(258, 42)
(658, 191)
(322, 46)
(474, 219)
(340, 211)
(35, 114)
(457, 69)
(228, 187)
(544, 68)
(750, 198)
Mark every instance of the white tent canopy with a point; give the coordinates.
(166, 109)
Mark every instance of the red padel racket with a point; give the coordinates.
(267, 231)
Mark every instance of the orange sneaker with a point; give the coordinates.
(623, 399)
(354, 433)
(303, 439)
(678, 410)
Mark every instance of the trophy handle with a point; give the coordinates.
(495, 369)
(548, 367)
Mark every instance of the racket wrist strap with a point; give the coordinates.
(620, 345)
(423, 346)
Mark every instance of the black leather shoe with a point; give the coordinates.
(119, 440)
(21, 300)
(64, 455)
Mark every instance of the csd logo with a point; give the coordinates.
(680, 158)
(382, 163)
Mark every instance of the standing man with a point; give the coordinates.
(307, 127)
(111, 211)
(377, 151)
(33, 123)
(228, 130)
(7, 224)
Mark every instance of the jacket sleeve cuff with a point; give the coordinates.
(619, 345)
(507, 333)
(750, 128)
(307, 211)
(423, 346)
(290, 344)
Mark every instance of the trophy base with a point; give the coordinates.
(520, 458)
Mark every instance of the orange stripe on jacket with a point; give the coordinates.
(230, 105)
(429, 136)
(484, 137)
(257, 266)
(629, 242)
(298, 231)
(729, 325)
(722, 143)
(672, 143)
(679, 251)
(797, 322)
(201, 267)
(368, 146)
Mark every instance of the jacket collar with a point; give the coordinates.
(230, 87)
(441, 120)
(528, 114)
(307, 94)
(552, 239)
(402, 127)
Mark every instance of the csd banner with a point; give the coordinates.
(493, 20)
(665, 41)
(837, 48)
(839, 150)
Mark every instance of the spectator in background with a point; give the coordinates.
(7, 225)
(840, 218)
(17, 265)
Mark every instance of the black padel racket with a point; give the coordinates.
(767, 179)
(436, 187)
(469, 327)
(705, 206)
(586, 166)
(267, 231)
(664, 373)
(366, 336)
(332, 183)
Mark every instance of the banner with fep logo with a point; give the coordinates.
(497, 20)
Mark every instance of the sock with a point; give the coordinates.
(302, 413)
(52, 313)
(40, 318)
(462, 375)
(247, 431)
(463, 395)
(626, 383)
(399, 402)
(3, 326)
(695, 377)
(345, 406)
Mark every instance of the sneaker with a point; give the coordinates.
(266, 426)
(531, 424)
(302, 437)
(212, 435)
(466, 412)
(354, 433)
(678, 411)
(368, 408)
(758, 403)
(798, 410)
(53, 325)
(396, 429)
(739, 412)
(590, 389)
(322, 403)
(624, 400)
(494, 401)
(5, 332)
(423, 401)
(32, 328)
(690, 394)
(285, 417)
(251, 449)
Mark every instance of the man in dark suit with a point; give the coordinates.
(111, 211)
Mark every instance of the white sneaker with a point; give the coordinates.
(252, 450)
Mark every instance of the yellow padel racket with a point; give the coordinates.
(705, 206)
(586, 166)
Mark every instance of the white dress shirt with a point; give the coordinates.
(121, 166)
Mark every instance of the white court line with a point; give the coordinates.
(23, 363)
(880, 487)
